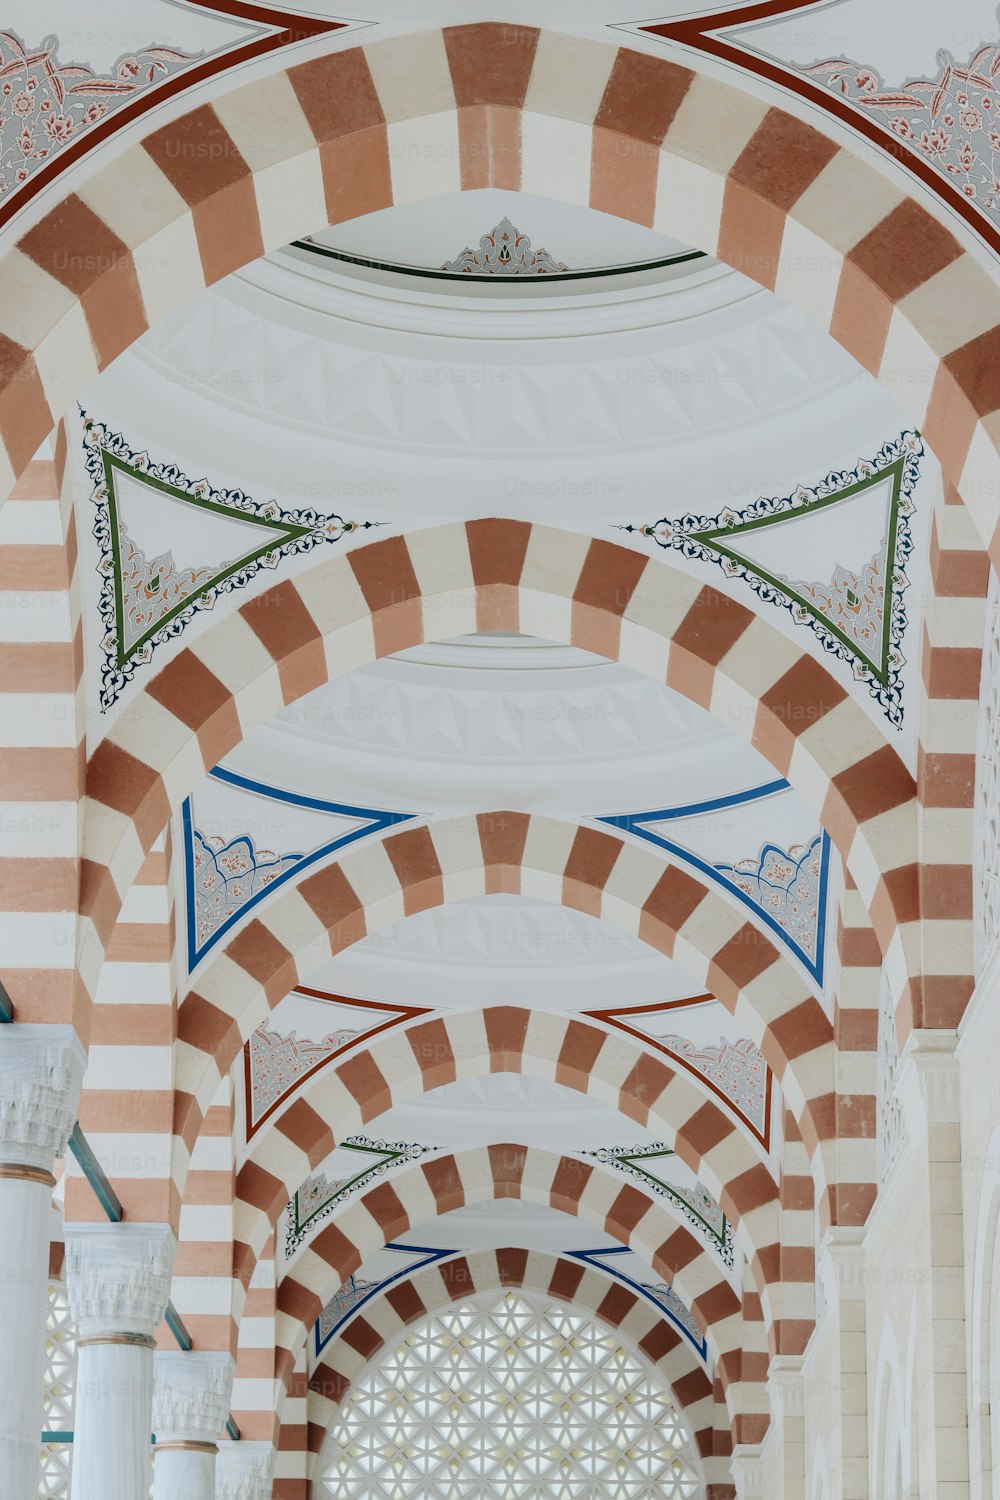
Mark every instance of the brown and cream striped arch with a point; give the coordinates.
(579, 1055)
(387, 1316)
(573, 1053)
(507, 106)
(381, 882)
(587, 1191)
(501, 575)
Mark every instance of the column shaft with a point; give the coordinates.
(118, 1277)
(184, 1472)
(25, 1208)
(41, 1070)
(114, 1393)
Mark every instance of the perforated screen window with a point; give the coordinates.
(503, 1398)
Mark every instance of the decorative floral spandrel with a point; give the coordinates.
(46, 104)
(850, 613)
(151, 587)
(228, 874)
(147, 601)
(786, 885)
(951, 121)
(736, 1068)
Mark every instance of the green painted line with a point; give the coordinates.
(429, 272)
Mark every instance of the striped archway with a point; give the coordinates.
(380, 882)
(514, 576)
(428, 1189)
(401, 1065)
(492, 104)
(437, 1287)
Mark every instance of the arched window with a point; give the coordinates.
(506, 1397)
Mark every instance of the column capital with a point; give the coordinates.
(843, 1246)
(930, 1058)
(41, 1073)
(243, 1471)
(748, 1470)
(191, 1395)
(118, 1277)
(785, 1385)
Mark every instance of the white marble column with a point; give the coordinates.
(118, 1279)
(41, 1070)
(244, 1471)
(191, 1396)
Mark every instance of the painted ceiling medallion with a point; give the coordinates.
(357, 1162)
(505, 251)
(856, 525)
(170, 546)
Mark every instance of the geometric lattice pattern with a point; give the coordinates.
(502, 1398)
(58, 1392)
(986, 852)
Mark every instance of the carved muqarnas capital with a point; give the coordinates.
(118, 1276)
(41, 1072)
(191, 1395)
(244, 1471)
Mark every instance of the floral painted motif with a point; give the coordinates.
(152, 587)
(277, 1063)
(228, 875)
(952, 121)
(45, 104)
(146, 602)
(696, 1204)
(504, 251)
(860, 619)
(672, 1304)
(318, 1196)
(786, 885)
(354, 1290)
(852, 601)
(736, 1069)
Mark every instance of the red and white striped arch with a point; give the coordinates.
(387, 1316)
(587, 1191)
(514, 576)
(380, 882)
(399, 1066)
(508, 106)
